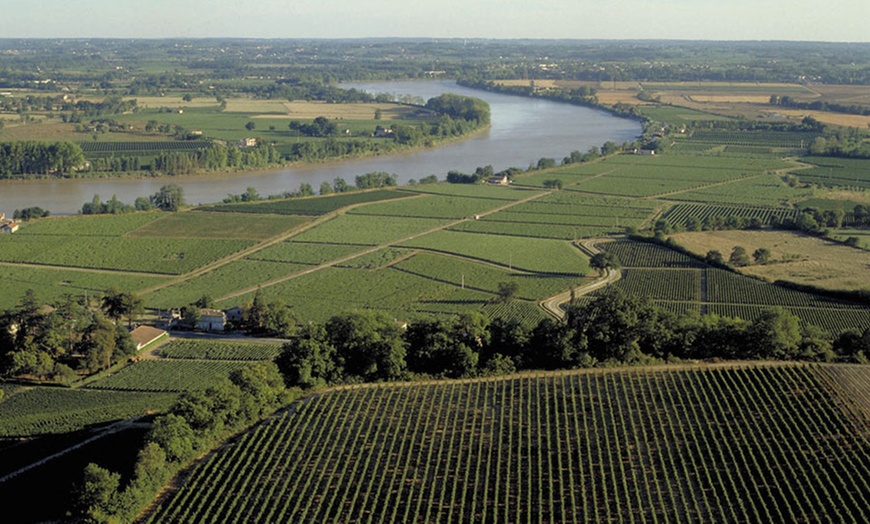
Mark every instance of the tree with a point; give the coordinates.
(95, 495)
(250, 126)
(761, 255)
(553, 184)
(604, 261)
(172, 433)
(507, 291)
(169, 198)
(143, 204)
(775, 334)
(368, 345)
(714, 258)
(739, 257)
(98, 345)
(325, 188)
(309, 360)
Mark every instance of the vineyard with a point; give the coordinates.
(308, 206)
(47, 410)
(680, 214)
(836, 172)
(777, 139)
(679, 283)
(164, 376)
(751, 443)
(142, 147)
(219, 350)
(764, 190)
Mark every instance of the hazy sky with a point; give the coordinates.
(825, 20)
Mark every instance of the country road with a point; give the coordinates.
(553, 304)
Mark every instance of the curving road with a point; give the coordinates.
(553, 304)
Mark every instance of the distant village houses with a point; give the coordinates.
(247, 142)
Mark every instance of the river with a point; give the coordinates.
(523, 130)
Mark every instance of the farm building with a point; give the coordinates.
(499, 181)
(8, 226)
(144, 335)
(211, 320)
(247, 142)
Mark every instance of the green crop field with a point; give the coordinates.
(89, 225)
(322, 294)
(368, 230)
(640, 176)
(528, 254)
(203, 224)
(431, 206)
(224, 280)
(147, 255)
(684, 283)
(376, 259)
(678, 285)
(764, 190)
(836, 172)
(484, 277)
(752, 443)
(214, 349)
(304, 252)
(49, 284)
(310, 205)
(475, 191)
(45, 410)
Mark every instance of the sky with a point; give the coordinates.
(807, 20)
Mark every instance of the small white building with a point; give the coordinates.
(8, 226)
(211, 320)
(499, 181)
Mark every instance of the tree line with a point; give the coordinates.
(195, 424)
(19, 159)
(612, 329)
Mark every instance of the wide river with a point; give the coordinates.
(523, 130)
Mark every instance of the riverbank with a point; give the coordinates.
(522, 130)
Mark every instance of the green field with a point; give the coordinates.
(752, 443)
(431, 206)
(168, 376)
(218, 350)
(836, 172)
(49, 284)
(310, 205)
(203, 224)
(368, 230)
(145, 255)
(528, 254)
(224, 280)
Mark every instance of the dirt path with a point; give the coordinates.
(553, 304)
